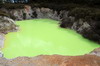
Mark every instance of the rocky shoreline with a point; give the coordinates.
(52, 60)
(89, 30)
(91, 59)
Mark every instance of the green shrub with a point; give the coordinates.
(12, 6)
(85, 13)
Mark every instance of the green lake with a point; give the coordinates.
(45, 37)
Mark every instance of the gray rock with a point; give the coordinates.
(1, 54)
(7, 25)
(88, 29)
(95, 52)
(1, 40)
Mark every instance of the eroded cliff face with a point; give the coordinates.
(30, 13)
(7, 25)
(88, 29)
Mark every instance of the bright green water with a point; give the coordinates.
(44, 36)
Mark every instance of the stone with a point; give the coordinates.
(95, 52)
(89, 29)
(7, 25)
(1, 40)
(1, 54)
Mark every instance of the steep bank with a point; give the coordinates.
(7, 25)
(62, 61)
(83, 20)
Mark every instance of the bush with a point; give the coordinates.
(85, 13)
(12, 6)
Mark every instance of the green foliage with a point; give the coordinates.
(12, 6)
(77, 10)
(85, 13)
(87, 2)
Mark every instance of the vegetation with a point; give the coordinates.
(86, 2)
(85, 13)
(12, 6)
(77, 8)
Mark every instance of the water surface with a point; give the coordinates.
(44, 36)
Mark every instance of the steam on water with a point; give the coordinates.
(44, 36)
